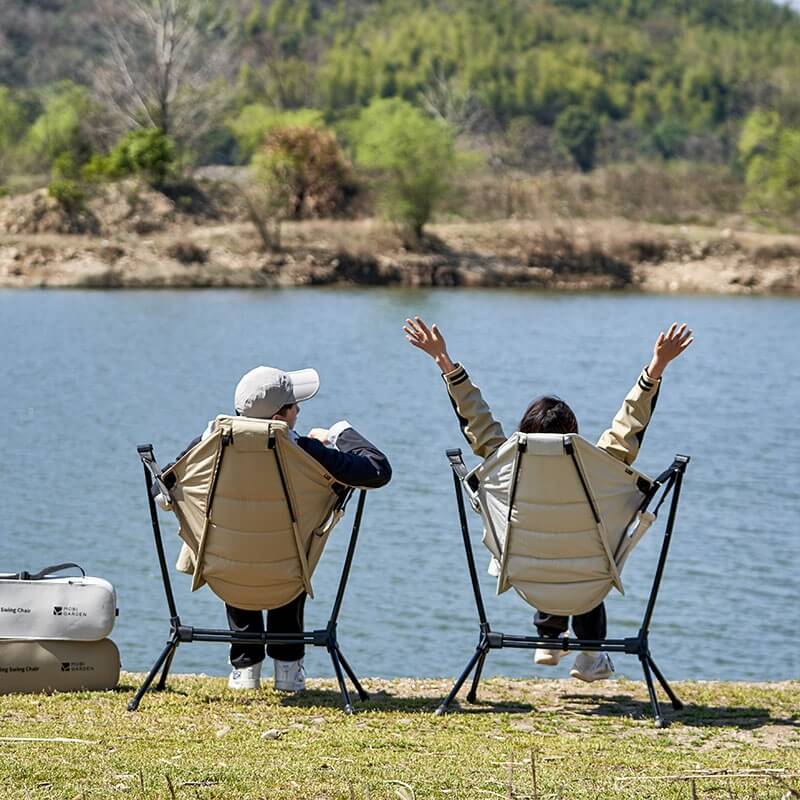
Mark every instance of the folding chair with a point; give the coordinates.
(560, 518)
(255, 512)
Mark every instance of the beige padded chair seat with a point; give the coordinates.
(255, 513)
(547, 543)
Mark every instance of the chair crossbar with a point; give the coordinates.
(669, 483)
(180, 633)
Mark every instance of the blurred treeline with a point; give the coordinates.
(512, 88)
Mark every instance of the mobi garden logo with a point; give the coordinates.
(76, 666)
(68, 611)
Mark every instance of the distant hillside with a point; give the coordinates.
(672, 78)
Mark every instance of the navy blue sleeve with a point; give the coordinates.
(356, 462)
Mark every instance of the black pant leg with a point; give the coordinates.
(592, 624)
(550, 624)
(287, 619)
(241, 620)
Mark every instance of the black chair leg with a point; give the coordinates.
(337, 668)
(362, 693)
(166, 653)
(676, 702)
(651, 690)
(480, 652)
(472, 696)
(162, 681)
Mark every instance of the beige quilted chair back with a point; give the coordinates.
(560, 516)
(255, 512)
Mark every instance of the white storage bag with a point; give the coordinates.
(43, 606)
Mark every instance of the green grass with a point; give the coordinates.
(200, 740)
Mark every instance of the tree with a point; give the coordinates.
(62, 134)
(310, 168)
(770, 153)
(577, 131)
(458, 107)
(165, 59)
(412, 155)
(300, 172)
(12, 129)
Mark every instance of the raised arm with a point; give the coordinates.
(481, 430)
(625, 436)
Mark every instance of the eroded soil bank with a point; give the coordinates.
(580, 256)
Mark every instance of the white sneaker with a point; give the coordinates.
(290, 676)
(548, 657)
(591, 667)
(247, 678)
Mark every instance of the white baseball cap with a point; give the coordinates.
(264, 391)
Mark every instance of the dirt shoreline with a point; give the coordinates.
(614, 255)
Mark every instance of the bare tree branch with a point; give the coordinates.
(164, 64)
(461, 109)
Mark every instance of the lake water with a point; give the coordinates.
(86, 376)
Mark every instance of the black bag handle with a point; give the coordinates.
(47, 571)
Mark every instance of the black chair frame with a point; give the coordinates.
(180, 633)
(670, 481)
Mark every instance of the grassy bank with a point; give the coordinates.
(524, 739)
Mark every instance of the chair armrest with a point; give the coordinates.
(149, 461)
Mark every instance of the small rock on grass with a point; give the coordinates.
(272, 733)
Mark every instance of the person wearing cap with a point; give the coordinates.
(270, 393)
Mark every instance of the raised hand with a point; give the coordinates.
(430, 341)
(669, 346)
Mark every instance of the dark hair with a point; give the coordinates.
(284, 410)
(548, 414)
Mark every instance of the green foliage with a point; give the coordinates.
(12, 120)
(146, 152)
(412, 154)
(770, 153)
(69, 194)
(576, 131)
(256, 121)
(61, 131)
(12, 130)
(676, 69)
(669, 137)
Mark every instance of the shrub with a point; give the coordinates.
(412, 155)
(305, 167)
(147, 152)
(187, 252)
(69, 195)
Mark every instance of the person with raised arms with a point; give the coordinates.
(550, 414)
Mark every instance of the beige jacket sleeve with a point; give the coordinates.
(481, 430)
(624, 438)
